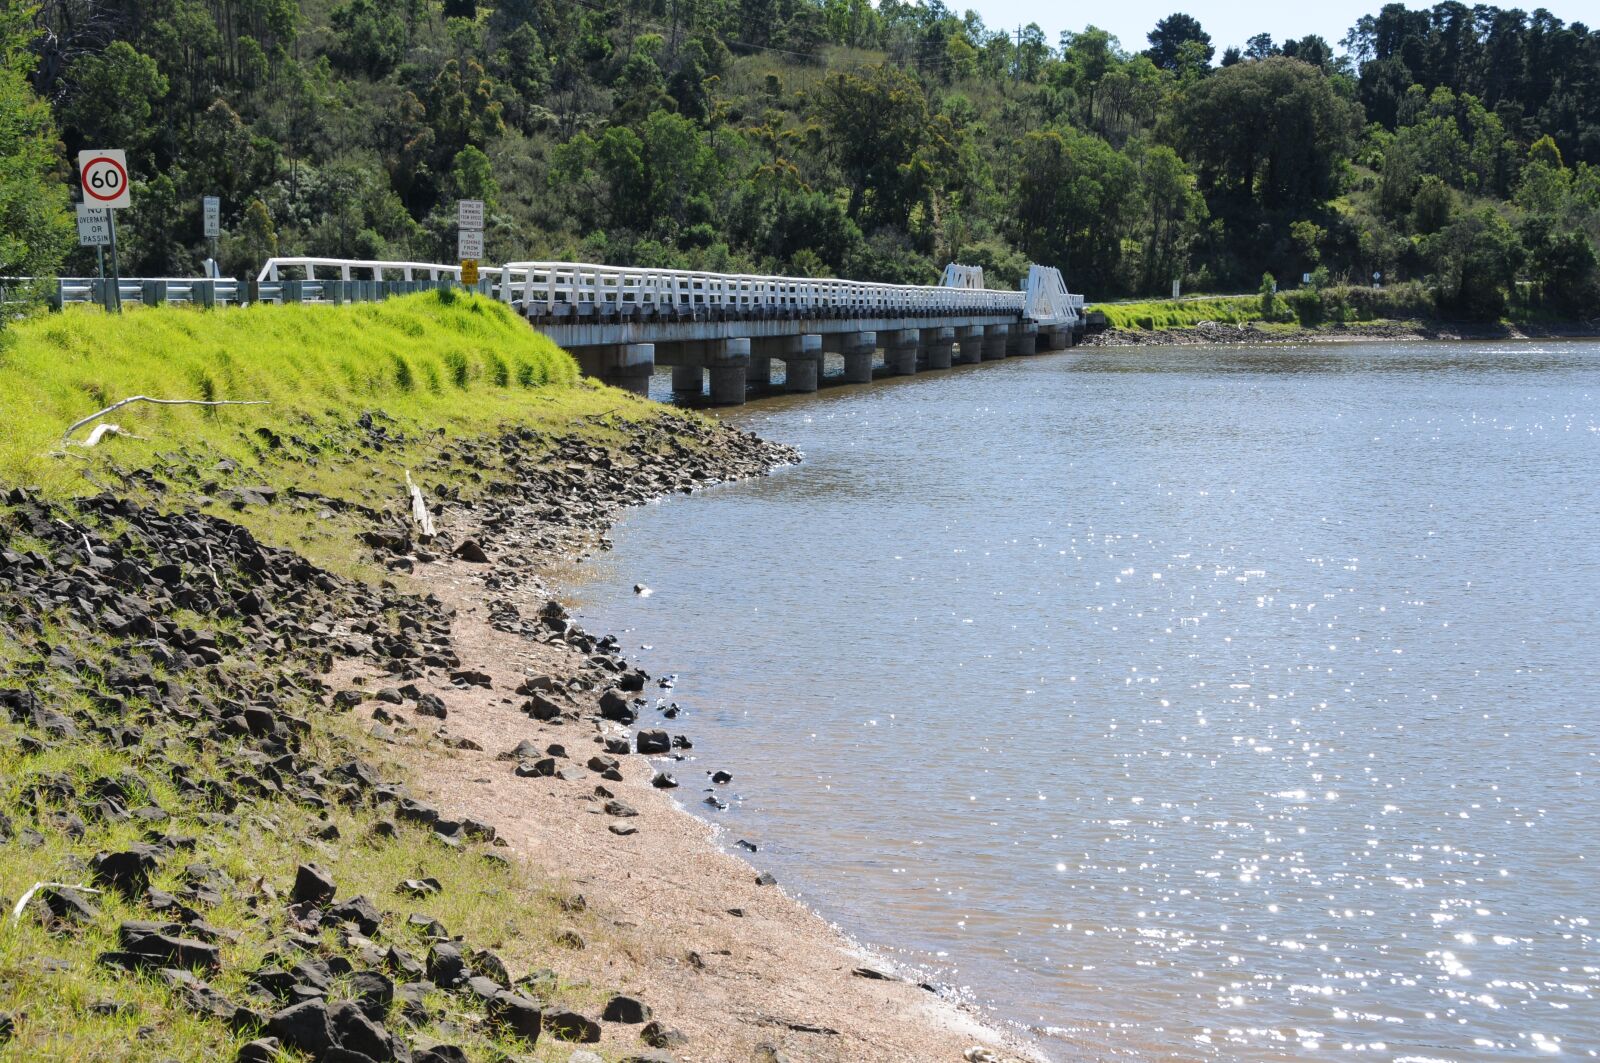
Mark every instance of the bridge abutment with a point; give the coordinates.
(729, 365)
(624, 365)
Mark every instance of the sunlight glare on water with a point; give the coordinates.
(1190, 702)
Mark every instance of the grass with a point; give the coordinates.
(1181, 313)
(431, 368)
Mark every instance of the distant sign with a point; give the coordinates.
(469, 244)
(211, 210)
(469, 214)
(1305, 278)
(105, 178)
(469, 272)
(1177, 286)
(94, 226)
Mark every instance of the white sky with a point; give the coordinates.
(1229, 23)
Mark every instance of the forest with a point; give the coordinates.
(1455, 148)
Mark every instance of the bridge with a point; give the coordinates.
(622, 322)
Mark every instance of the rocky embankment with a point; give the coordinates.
(1215, 332)
(261, 807)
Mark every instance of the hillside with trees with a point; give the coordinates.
(1454, 147)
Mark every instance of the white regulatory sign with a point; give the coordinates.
(94, 226)
(469, 244)
(211, 209)
(469, 214)
(105, 178)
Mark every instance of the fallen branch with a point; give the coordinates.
(120, 403)
(419, 508)
(22, 905)
(99, 433)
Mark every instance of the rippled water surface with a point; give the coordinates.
(1181, 703)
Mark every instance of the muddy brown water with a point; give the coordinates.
(1185, 703)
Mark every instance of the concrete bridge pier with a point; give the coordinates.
(900, 351)
(759, 376)
(970, 339)
(937, 342)
(729, 363)
(857, 348)
(802, 366)
(995, 340)
(688, 381)
(1023, 339)
(623, 365)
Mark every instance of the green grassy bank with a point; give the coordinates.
(113, 735)
(429, 368)
(1300, 308)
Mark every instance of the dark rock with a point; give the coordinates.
(571, 1026)
(127, 872)
(614, 706)
(490, 966)
(717, 803)
(415, 887)
(374, 991)
(355, 1032)
(261, 1050)
(541, 708)
(8, 1027)
(721, 777)
(428, 926)
(67, 905)
(305, 1026)
(664, 781)
(619, 746)
(312, 885)
(766, 879)
(623, 830)
(431, 705)
(620, 808)
(446, 967)
(360, 911)
(651, 743)
(749, 847)
(873, 974)
(403, 963)
(516, 1014)
(626, 1009)
(161, 942)
(439, 1054)
(468, 678)
(657, 1036)
(470, 551)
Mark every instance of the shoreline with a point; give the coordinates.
(770, 978)
(1250, 334)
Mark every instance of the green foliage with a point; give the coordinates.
(34, 224)
(821, 135)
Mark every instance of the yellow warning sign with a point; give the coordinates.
(469, 271)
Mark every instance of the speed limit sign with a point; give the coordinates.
(105, 178)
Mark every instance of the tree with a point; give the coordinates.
(1272, 131)
(372, 36)
(113, 96)
(1475, 259)
(1169, 37)
(1072, 204)
(1174, 210)
(35, 228)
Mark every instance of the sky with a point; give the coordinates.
(1230, 22)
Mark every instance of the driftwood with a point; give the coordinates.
(99, 433)
(419, 508)
(119, 404)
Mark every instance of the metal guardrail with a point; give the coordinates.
(201, 291)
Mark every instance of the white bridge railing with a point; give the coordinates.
(544, 287)
(558, 289)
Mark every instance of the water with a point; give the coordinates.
(1179, 703)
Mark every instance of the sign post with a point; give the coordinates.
(94, 230)
(211, 212)
(469, 238)
(104, 173)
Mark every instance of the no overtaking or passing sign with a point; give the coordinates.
(105, 178)
(94, 226)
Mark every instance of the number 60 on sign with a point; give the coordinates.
(105, 178)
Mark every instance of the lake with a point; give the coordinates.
(1179, 702)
